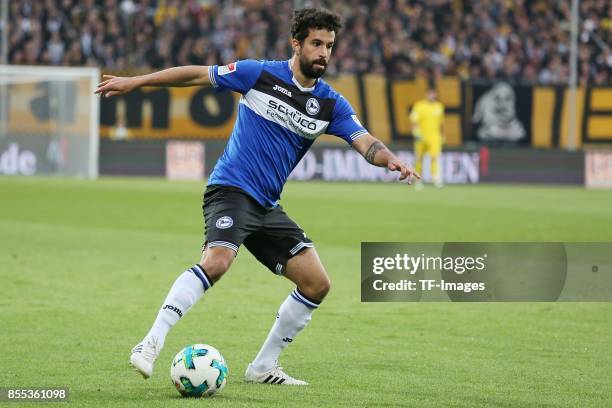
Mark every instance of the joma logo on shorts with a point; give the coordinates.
(282, 90)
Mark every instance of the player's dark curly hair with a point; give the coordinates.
(312, 18)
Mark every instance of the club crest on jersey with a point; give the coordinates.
(227, 69)
(282, 90)
(224, 222)
(312, 106)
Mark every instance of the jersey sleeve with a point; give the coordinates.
(344, 122)
(239, 76)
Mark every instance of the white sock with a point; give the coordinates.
(187, 289)
(293, 315)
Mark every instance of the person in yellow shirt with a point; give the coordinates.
(427, 118)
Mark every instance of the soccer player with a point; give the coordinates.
(284, 107)
(427, 118)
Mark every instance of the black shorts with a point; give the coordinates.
(232, 217)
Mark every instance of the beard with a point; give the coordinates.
(309, 70)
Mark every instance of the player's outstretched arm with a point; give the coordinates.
(376, 153)
(178, 76)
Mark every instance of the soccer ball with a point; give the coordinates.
(198, 370)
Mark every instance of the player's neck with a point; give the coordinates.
(302, 79)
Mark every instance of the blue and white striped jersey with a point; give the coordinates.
(278, 120)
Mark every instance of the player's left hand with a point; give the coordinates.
(406, 172)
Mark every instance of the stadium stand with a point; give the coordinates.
(522, 40)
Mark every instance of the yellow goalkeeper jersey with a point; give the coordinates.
(429, 117)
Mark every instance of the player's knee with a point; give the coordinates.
(318, 289)
(324, 287)
(217, 263)
(216, 267)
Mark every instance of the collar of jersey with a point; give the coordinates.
(296, 83)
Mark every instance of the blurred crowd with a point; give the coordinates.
(519, 40)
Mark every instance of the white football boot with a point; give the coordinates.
(144, 355)
(275, 375)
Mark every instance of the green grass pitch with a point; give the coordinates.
(85, 265)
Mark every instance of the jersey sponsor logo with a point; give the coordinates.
(356, 120)
(271, 108)
(282, 90)
(312, 106)
(227, 69)
(293, 114)
(224, 222)
(174, 309)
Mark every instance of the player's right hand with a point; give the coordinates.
(406, 171)
(113, 85)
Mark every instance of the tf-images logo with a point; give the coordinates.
(312, 106)
(224, 222)
(282, 90)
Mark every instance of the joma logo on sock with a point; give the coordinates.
(287, 339)
(174, 309)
